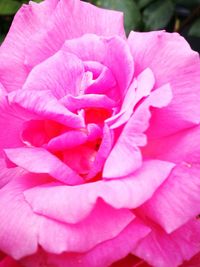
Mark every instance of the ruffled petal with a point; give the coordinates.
(172, 61)
(42, 104)
(113, 52)
(103, 254)
(39, 160)
(61, 74)
(72, 204)
(177, 200)
(161, 249)
(68, 22)
(183, 146)
(127, 145)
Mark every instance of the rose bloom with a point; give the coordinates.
(99, 142)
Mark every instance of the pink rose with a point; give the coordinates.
(99, 141)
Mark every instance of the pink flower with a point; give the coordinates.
(99, 141)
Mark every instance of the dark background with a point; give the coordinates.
(182, 16)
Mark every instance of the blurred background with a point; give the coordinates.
(182, 16)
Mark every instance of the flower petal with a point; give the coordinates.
(39, 160)
(103, 254)
(172, 61)
(72, 204)
(170, 250)
(61, 74)
(113, 52)
(132, 137)
(68, 22)
(176, 201)
(44, 105)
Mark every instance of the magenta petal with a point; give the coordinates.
(176, 201)
(39, 160)
(67, 140)
(44, 104)
(132, 137)
(113, 52)
(66, 23)
(28, 19)
(72, 204)
(103, 254)
(56, 237)
(74, 103)
(140, 88)
(61, 74)
(183, 146)
(161, 249)
(172, 61)
(9, 135)
(18, 224)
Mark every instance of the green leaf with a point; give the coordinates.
(143, 3)
(195, 29)
(158, 14)
(132, 16)
(9, 7)
(187, 3)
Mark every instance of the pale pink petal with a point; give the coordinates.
(68, 22)
(163, 250)
(44, 105)
(39, 160)
(172, 61)
(74, 103)
(113, 52)
(61, 74)
(72, 204)
(132, 137)
(176, 201)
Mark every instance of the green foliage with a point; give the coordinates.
(132, 20)
(195, 28)
(9, 7)
(158, 14)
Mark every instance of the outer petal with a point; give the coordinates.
(162, 250)
(61, 74)
(22, 239)
(57, 21)
(177, 200)
(183, 146)
(56, 237)
(172, 61)
(102, 255)
(68, 22)
(18, 224)
(72, 204)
